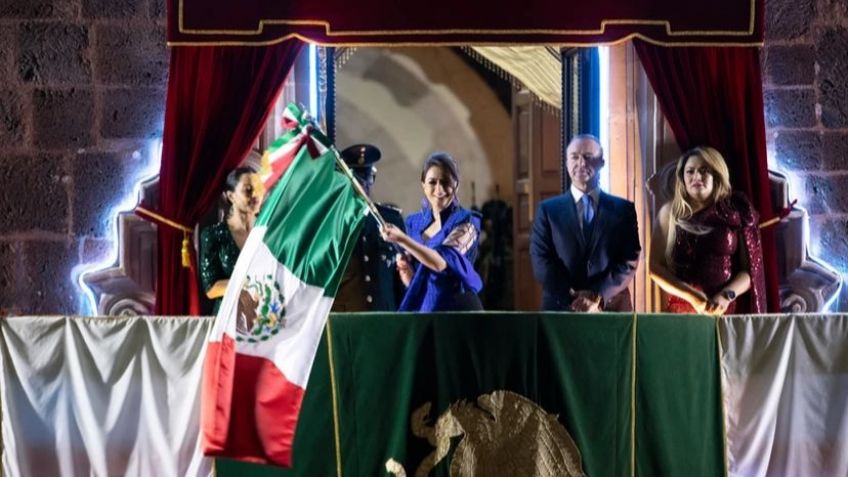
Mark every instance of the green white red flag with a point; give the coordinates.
(270, 322)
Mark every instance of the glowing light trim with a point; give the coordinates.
(313, 81)
(87, 298)
(603, 133)
(795, 191)
(812, 255)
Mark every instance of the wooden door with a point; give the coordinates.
(538, 176)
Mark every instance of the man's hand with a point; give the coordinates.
(585, 300)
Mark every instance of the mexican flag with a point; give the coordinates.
(267, 331)
(280, 154)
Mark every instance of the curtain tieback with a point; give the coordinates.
(780, 215)
(184, 251)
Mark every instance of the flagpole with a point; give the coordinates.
(358, 187)
(307, 119)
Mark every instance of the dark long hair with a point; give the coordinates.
(230, 184)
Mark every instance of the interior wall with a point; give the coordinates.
(411, 102)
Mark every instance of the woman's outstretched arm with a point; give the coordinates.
(424, 254)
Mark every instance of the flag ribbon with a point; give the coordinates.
(301, 132)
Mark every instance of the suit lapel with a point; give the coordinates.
(572, 222)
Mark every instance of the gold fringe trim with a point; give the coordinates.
(633, 355)
(336, 431)
(506, 76)
(329, 32)
(726, 446)
(390, 44)
(343, 55)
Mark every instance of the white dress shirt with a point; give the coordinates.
(578, 202)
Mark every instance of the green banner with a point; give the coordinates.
(679, 425)
(509, 394)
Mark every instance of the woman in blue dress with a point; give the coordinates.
(440, 245)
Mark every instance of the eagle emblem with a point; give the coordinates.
(261, 310)
(502, 433)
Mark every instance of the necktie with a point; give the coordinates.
(588, 210)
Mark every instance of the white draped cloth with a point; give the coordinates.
(785, 381)
(121, 396)
(102, 396)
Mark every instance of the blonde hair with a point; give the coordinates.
(681, 209)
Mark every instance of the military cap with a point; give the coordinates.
(361, 155)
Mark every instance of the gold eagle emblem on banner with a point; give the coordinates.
(502, 433)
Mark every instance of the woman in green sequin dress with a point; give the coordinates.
(221, 243)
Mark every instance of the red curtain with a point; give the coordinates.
(714, 96)
(218, 101)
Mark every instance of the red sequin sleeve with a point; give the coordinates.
(749, 236)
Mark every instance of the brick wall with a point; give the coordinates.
(82, 87)
(805, 66)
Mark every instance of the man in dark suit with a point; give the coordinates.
(371, 281)
(585, 243)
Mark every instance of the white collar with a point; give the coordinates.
(578, 194)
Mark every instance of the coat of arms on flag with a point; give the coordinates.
(267, 330)
(261, 311)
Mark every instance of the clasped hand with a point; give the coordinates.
(715, 306)
(585, 300)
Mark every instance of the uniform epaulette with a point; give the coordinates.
(390, 206)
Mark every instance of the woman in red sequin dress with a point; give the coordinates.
(705, 249)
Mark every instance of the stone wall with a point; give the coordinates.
(82, 85)
(805, 76)
(82, 88)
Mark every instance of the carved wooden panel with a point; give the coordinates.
(537, 171)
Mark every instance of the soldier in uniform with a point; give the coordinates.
(371, 281)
